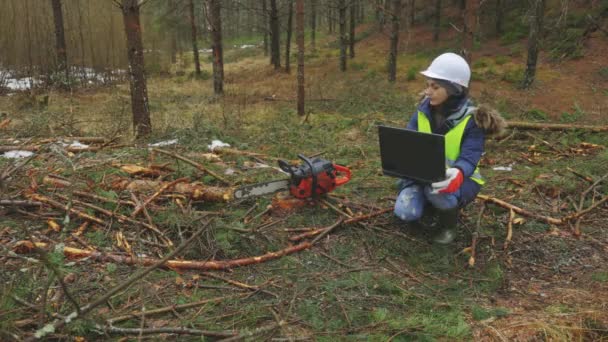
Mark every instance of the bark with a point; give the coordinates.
(342, 18)
(499, 17)
(394, 47)
(353, 19)
(215, 27)
(536, 25)
(60, 46)
(197, 63)
(196, 191)
(275, 53)
(412, 11)
(437, 25)
(313, 24)
(380, 15)
(137, 78)
(300, 43)
(288, 41)
(469, 29)
(265, 26)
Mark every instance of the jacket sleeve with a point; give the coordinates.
(413, 124)
(471, 148)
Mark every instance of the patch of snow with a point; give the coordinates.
(229, 171)
(205, 50)
(74, 143)
(16, 154)
(503, 168)
(164, 143)
(216, 144)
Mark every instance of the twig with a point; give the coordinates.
(555, 127)
(57, 324)
(520, 211)
(55, 204)
(193, 163)
(509, 229)
(238, 284)
(165, 330)
(327, 230)
(348, 221)
(174, 307)
(255, 332)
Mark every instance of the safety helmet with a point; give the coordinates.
(450, 67)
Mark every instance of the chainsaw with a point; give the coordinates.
(312, 178)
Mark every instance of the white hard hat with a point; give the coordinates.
(450, 67)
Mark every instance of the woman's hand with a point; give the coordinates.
(451, 183)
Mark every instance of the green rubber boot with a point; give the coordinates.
(448, 220)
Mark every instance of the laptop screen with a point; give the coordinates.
(411, 154)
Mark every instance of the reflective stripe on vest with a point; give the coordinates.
(453, 139)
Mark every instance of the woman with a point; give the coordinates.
(447, 110)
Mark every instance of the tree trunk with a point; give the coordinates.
(353, 18)
(300, 43)
(288, 40)
(265, 26)
(392, 55)
(380, 14)
(342, 18)
(197, 63)
(437, 20)
(469, 29)
(330, 17)
(313, 24)
(60, 47)
(137, 77)
(536, 25)
(214, 10)
(412, 12)
(499, 16)
(275, 53)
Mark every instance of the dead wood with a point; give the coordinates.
(554, 127)
(193, 163)
(75, 254)
(164, 187)
(348, 221)
(34, 148)
(228, 150)
(520, 211)
(59, 323)
(509, 230)
(140, 170)
(19, 203)
(57, 205)
(4, 123)
(121, 218)
(195, 191)
(166, 330)
(173, 307)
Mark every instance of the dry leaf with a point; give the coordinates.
(179, 281)
(121, 242)
(471, 261)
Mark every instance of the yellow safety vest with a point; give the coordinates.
(453, 139)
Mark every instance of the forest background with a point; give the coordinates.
(274, 79)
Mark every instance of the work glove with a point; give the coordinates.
(453, 180)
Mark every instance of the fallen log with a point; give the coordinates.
(23, 247)
(554, 127)
(196, 191)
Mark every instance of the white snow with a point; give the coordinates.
(164, 143)
(216, 144)
(16, 154)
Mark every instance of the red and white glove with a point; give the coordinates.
(453, 180)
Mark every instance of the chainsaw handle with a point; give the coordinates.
(345, 177)
(285, 166)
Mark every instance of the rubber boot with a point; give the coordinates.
(448, 220)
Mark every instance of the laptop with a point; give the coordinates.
(412, 154)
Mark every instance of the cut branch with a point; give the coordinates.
(193, 163)
(520, 211)
(75, 253)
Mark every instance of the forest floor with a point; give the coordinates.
(378, 279)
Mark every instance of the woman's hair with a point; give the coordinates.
(453, 103)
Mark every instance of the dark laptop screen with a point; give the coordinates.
(412, 154)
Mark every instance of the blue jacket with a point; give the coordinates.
(472, 146)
